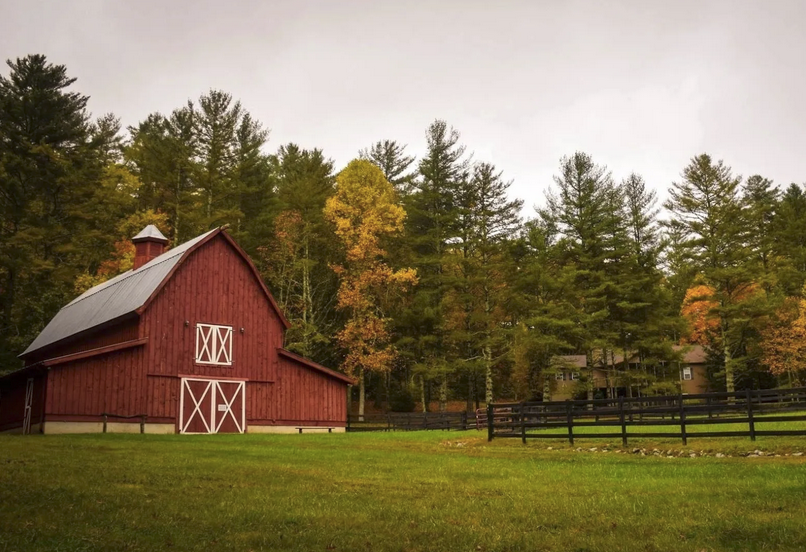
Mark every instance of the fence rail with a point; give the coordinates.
(535, 420)
(413, 421)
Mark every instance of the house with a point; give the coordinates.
(188, 341)
(691, 372)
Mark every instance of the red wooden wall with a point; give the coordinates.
(308, 396)
(214, 285)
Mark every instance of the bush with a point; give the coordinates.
(662, 388)
(401, 400)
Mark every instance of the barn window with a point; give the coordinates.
(559, 376)
(574, 375)
(687, 373)
(213, 344)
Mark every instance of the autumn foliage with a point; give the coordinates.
(363, 210)
(784, 339)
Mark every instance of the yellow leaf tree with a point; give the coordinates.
(363, 210)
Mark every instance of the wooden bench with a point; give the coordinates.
(329, 429)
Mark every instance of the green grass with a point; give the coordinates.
(394, 492)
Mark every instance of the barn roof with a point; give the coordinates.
(125, 294)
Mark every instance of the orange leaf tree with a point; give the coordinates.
(784, 340)
(364, 210)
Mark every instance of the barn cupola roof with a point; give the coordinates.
(148, 244)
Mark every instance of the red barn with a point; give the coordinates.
(189, 341)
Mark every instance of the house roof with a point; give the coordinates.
(126, 294)
(692, 354)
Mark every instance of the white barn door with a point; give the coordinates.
(212, 406)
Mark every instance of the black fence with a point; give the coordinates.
(414, 421)
(565, 419)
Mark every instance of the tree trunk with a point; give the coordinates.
(729, 383)
(589, 367)
(422, 394)
(546, 387)
(488, 374)
(443, 393)
(361, 390)
(469, 404)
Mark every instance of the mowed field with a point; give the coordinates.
(396, 492)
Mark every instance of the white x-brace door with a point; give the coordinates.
(206, 401)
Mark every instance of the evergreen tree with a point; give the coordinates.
(52, 159)
(304, 182)
(706, 207)
(789, 240)
(431, 226)
(582, 211)
(391, 158)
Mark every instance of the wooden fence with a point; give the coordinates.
(413, 421)
(564, 419)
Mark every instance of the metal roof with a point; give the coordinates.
(112, 299)
(150, 232)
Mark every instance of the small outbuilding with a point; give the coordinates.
(188, 341)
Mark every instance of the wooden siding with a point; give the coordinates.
(306, 396)
(125, 330)
(213, 286)
(113, 383)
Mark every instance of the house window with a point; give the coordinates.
(213, 344)
(559, 376)
(687, 373)
(574, 375)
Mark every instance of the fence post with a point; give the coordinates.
(104, 423)
(142, 424)
(750, 420)
(464, 420)
(623, 422)
(683, 421)
(569, 408)
(523, 423)
(490, 429)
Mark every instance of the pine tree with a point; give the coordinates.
(581, 210)
(430, 227)
(391, 158)
(304, 180)
(52, 159)
(789, 239)
(761, 199)
(707, 209)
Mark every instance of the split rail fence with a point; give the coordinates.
(681, 413)
(414, 421)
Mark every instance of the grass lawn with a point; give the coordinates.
(395, 492)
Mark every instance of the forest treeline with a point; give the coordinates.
(467, 300)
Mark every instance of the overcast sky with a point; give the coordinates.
(641, 85)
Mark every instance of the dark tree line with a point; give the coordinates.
(600, 270)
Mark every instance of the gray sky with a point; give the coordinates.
(643, 85)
